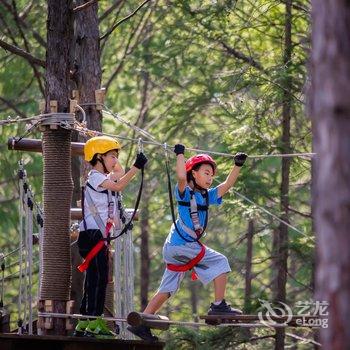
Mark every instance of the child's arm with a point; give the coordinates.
(232, 177)
(180, 167)
(117, 172)
(140, 162)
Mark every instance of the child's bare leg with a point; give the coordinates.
(220, 287)
(156, 303)
(220, 307)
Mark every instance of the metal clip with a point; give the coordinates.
(140, 146)
(165, 149)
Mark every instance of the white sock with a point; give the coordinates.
(217, 302)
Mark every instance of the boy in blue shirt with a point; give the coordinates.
(182, 250)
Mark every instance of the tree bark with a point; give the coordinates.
(248, 268)
(87, 74)
(56, 270)
(330, 112)
(87, 68)
(281, 247)
(193, 287)
(145, 260)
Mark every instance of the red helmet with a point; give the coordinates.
(199, 159)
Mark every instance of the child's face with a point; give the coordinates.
(110, 159)
(204, 175)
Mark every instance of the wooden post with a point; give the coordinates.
(33, 145)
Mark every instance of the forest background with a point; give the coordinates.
(223, 76)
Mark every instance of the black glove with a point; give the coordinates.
(179, 149)
(240, 158)
(140, 161)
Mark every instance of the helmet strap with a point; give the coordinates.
(103, 164)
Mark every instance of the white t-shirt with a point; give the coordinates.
(95, 179)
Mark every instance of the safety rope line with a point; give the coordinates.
(2, 266)
(254, 324)
(304, 340)
(13, 120)
(29, 264)
(11, 252)
(269, 213)
(21, 246)
(27, 205)
(8, 277)
(80, 316)
(89, 132)
(81, 128)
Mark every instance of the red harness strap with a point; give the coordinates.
(190, 265)
(94, 251)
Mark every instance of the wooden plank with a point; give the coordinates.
(138, 319)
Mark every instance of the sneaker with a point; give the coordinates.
(142, 332)
(98, 329)
(223, 309)
(80, 328)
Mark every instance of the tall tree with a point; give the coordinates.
(330, 112)
(86, 77)
(56, 271)
(248, 268)
(280, 247)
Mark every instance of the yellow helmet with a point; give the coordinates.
(99, 144)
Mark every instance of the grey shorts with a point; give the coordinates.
(211, 266)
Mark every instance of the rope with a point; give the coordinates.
(12, 252)
(129, 225)
(13, 120)
(79, 316)
(237, 324)
(57, 181)
(176, 323)
(304, 340)
(8, 277)
(38, 117)
(83, 129)
(269, 213)
(21, 176)
(165, 146)
(29, 265)
(2, 265)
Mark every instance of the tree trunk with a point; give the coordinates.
(87, 68)
(330, 111)
(248, 268)
(56, 270)
(193, 287)
(87, 78)
(281, 248)
(145, 260)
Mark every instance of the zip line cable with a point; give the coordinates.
(151, 139)
(80, 127)
(269, 213)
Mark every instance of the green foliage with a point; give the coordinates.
(200, 95)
